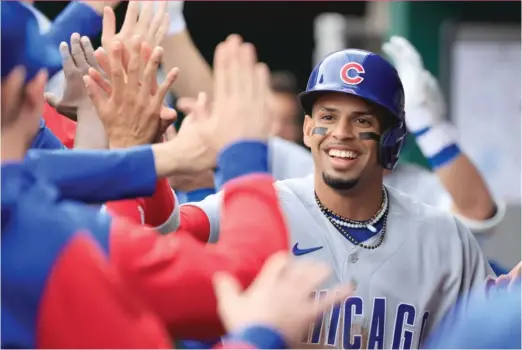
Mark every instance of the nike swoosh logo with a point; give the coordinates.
(297, 252)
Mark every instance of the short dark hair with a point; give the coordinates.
(284, 82)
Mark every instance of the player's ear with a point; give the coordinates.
(307, 130)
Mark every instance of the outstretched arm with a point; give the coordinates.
(173, 273)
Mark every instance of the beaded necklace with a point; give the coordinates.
(342, 225)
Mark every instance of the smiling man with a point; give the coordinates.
(408, 262)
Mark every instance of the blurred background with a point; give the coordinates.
(473, 48)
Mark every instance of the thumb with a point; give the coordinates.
(227, 289)
(51, 99)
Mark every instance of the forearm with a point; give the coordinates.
(196, 76)
(238, 159)
(470, 195)
(90, 133)
(97, 176)
(173, 273)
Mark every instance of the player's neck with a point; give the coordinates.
(357, 204)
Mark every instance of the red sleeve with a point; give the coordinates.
(152, 211)
(173, 273)
(131, 209)
(61, 126)
(85, 305)
(160, 206)
(194, 220)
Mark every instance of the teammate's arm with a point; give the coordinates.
(425, 117)
(173, 273)
(86, 305)
(97, 176)
(197, 75)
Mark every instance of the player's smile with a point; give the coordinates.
(342, 158)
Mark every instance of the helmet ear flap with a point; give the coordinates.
(390, 146)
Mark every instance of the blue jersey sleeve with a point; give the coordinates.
(97, 176)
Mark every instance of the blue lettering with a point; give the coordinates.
(316, 334)
(311, 327)
(352, 307)
(376, 338)
(405, 316)
(424, 319)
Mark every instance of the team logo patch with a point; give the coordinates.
(351, 73)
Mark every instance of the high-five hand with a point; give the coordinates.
(238, 112)
(149, 23)
(131, 113)
(273, 299)
(239, 109)
(76, 60)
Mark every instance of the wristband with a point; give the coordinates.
(437, 145)
(241, 158)
(262, 337)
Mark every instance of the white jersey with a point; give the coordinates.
(288, 160)
(428, 259)
(419, 183)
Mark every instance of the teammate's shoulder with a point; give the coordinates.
(288, 159)
(279, 144)
(299, 188)
(406, 205)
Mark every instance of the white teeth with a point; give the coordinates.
(342, 154)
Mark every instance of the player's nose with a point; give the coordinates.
(343, 130)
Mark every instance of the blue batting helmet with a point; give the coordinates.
(371, 77)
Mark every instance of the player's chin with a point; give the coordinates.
(340, 181)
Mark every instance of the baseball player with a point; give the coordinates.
(408, 262)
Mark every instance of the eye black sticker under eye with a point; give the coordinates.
(362, 135)
(319, 131)
(369, 136)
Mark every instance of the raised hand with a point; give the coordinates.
(425, 105)
(149, 23)
(132, 112)
(273, 299)
(76, 59)
(241, 90)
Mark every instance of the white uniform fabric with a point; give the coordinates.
(419, 183)
(288, 160)
(428, 260)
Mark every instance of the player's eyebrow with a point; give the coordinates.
(360, 112)
(328, 109)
